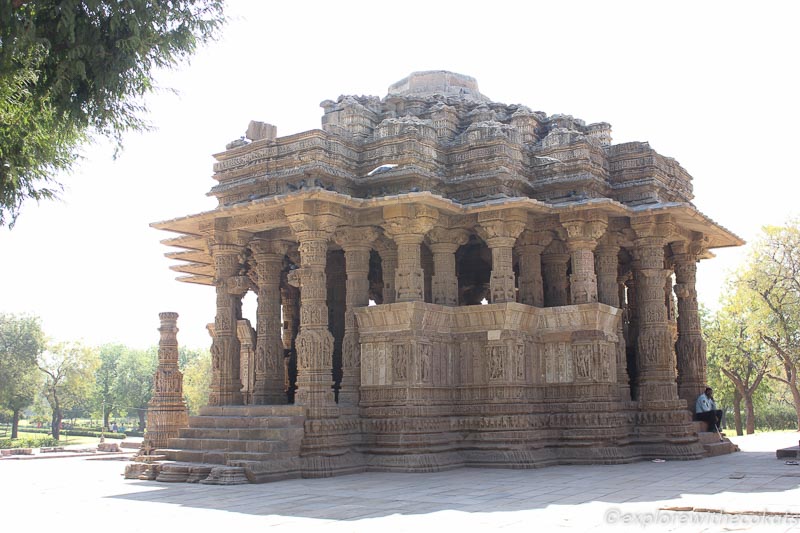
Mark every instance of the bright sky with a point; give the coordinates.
(713, 84)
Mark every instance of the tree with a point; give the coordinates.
(73, 68)
(774, 276)
(197, 381)
(69, 376)
(736, 350)
(106, 392)
(21, 342)
(135, 370)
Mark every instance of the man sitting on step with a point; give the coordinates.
(705, 409)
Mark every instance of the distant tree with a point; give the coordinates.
(21, 342)
(197, 381)
(737, 352)
(73, 68)
(135, 370)
(69, 377)
(773, 274)
(106, 390)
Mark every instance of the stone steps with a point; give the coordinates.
(221, 457)
(237, 445)
(244, 422)
(263, 440)
(203, 433)
(252, 410)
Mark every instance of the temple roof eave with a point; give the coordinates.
(195, 228)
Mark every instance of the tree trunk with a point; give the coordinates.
(55, 424)
(737, 412)
(15, 424)
(142, 414)
(796, 398)
(750, 420)
(106, 416)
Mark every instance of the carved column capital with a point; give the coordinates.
(356, 238)
(407, 225)
(537, 239)
(583, 232)
(500, 231)
(406, 220)
(313, 219)
(447, 240)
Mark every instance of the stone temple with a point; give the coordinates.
(443, 281)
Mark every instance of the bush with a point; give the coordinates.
(776, 417)
(33, 442)
(75, 432)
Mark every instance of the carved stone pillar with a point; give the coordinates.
(582, 236)
(606, 260)
(166, 411)
(632, 330)
(655, 349)
(247, 359)
(290, 304)
(444, 243)
(609, 292)
(690, 348)
(313, 223)
(529, 248)
(226, 384)
(388, 252)
(407, 226)
(335, 279)
(356, 243)
(555, 259)
(269, 373)
(500, 231)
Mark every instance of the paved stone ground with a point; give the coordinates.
(88, 493)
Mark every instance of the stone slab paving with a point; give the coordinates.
(85, 493)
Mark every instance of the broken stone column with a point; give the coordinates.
(166, 412)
